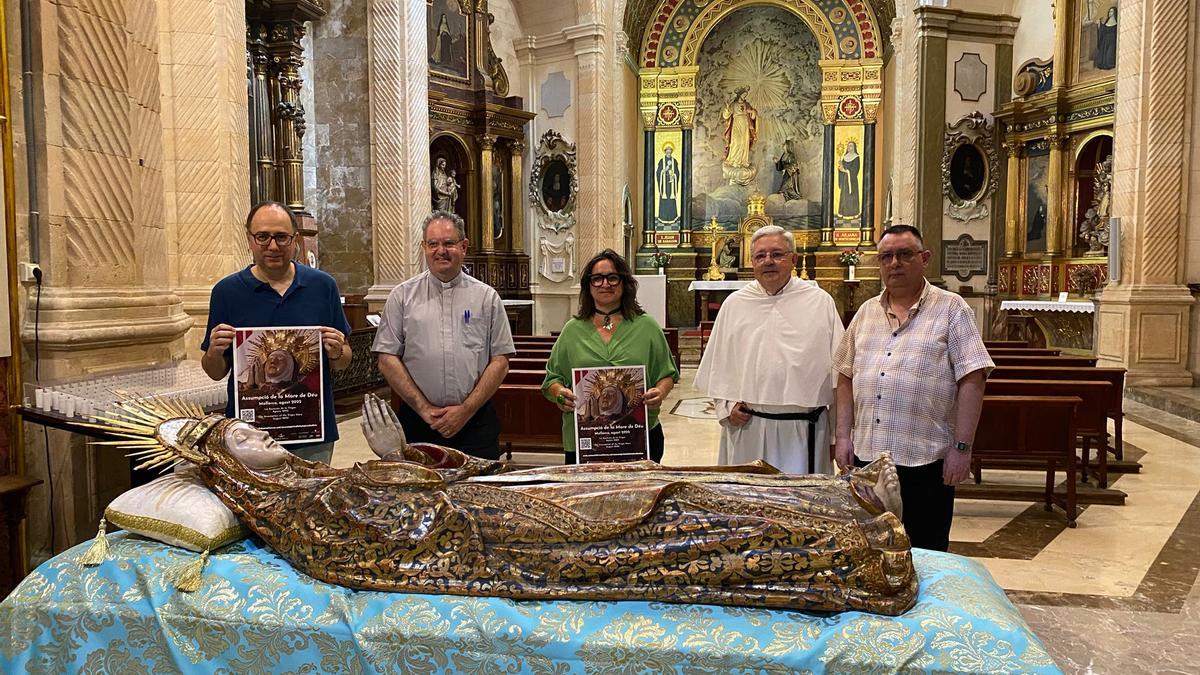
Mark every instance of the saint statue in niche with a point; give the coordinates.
(848, 167)
(790, 168)
(666, 181)
(741, 132)
(445, 186)
(1105, 57)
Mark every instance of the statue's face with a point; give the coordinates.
(279, 364)
(441, 162)
(610, 398)
(254, 447)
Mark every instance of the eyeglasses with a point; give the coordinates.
(904, 255)
(775, 256)
(263, 239)
(601, 279)
(434, 244)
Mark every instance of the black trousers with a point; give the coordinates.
(657, 444)
(479, 437)
(928, 504)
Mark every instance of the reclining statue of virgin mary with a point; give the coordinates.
(429, 519)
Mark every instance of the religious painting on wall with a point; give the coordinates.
(968, 172)
(556, 185)
(1096, 40)
(449, 45)
(847, 170)
(1037, 205)
(758, 122)
(277, 382)
(668, 177)
(610, 414)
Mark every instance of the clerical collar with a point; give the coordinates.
(444, 285)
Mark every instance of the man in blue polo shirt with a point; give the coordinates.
(277, 292)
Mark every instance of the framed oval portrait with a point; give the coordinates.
(556, 185)
(968, 172)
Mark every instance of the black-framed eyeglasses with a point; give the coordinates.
(904, 255)
(602, 279)
(263, 239)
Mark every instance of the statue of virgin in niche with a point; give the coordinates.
(445, 186)
(741, 132)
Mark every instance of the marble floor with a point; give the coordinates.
(1117, 594)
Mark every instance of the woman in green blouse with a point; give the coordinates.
(611, 329)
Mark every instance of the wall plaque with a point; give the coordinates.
(964, 257)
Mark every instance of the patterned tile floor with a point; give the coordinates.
(1117, 594)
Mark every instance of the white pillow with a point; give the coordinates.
(176, 509)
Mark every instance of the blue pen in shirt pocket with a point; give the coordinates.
(467, 316)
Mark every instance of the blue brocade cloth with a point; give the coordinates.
(255, 613)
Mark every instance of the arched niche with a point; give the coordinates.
(1091, 202)
(453, 150)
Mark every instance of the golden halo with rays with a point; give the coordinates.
(623, 380)
(301, 344)
(156, 431)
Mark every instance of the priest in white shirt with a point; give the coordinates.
(769, 364)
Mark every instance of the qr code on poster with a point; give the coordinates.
(247, 415)
(584, 443)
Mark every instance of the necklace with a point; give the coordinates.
(608, 317)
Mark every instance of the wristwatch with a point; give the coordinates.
(963, 447)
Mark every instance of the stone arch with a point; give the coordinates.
(670, 32)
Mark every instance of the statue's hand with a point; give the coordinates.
(381, 427)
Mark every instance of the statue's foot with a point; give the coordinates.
(887, 485)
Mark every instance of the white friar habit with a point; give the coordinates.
(775, 354)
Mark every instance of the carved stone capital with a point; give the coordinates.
(487, 142)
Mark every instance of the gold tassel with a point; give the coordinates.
(98, 550)
(189, 578)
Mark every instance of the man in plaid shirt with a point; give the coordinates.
(911, 371)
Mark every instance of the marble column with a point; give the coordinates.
(106, 302)
(1057, 197)
(1012, 201)
(827, 188)
(932, 32)
(400, 189)
(598, 205)
(1144, 316)
(517, 169)
(205, 133)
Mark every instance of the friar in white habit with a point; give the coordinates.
(769, 364)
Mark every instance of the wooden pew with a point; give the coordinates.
(527, 364)
(1022, 351)
(1005, 343)
(546, 342)
(1114, 376)
(1056, 361)
(1091, 424)
(1017, 431)
(528, 422)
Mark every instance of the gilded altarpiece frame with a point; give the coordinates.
(1061, 106)
(851, 46)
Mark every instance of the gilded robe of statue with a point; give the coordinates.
(430, 519)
